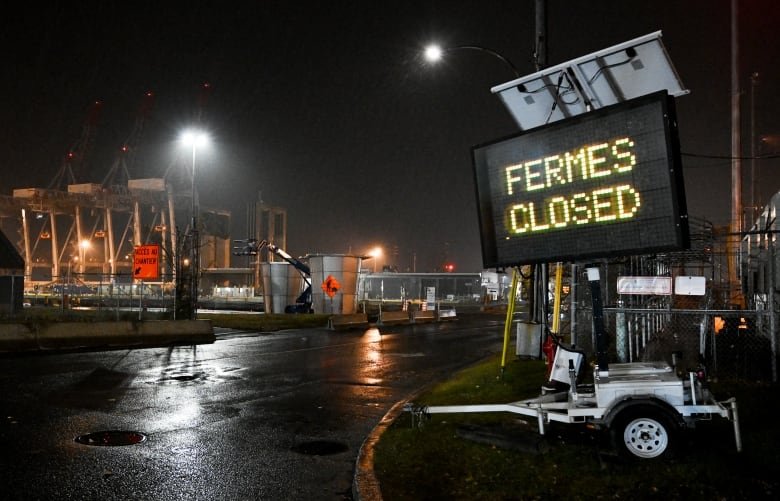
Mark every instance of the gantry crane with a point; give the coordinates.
(54, 200)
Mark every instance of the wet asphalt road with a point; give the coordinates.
(253, 416)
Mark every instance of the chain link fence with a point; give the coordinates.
(105, 298)
(730, 344)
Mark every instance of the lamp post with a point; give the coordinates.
(434, 53)
(84, 246)
(768, 148)
(194, 139)
(753, 83)
(376, 253)
(67, 284)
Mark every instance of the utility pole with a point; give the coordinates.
(538, 308)
(736, 164)
(540, 36)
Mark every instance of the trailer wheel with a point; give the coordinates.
(644, 432)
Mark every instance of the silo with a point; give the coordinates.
(341, 269)
(282, 284)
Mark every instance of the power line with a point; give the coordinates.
(727, 157)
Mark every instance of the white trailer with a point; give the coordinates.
(643, 405)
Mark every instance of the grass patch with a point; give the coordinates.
(268, 322)
(435, 463)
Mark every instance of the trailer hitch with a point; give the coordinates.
(418, 413)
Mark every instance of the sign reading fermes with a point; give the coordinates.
(608, 182)
(146, 262)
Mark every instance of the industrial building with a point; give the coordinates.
(11, 277)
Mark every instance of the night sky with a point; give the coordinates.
(327, 108)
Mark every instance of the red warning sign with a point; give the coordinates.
(331, 286)
(146, 262)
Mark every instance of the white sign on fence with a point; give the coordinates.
(430, 297)
(661, 286)
(690, 286)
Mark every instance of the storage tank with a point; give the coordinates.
(282, 284)
(339, 269)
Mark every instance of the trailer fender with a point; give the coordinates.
(652, 402)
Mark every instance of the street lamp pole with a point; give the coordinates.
(376, 253)
(434, 53)
(194, 139)
(754, 211)
(195, 245)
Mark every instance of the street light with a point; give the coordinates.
(84, 246)
(64, 295)
(434, 53)
(769, 145)
(376, 253)
(194, 139)
(768, 148)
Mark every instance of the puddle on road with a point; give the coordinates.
(359, 382)
(200, 376)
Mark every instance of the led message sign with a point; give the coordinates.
(605, 183)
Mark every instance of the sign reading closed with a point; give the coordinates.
(608, 182)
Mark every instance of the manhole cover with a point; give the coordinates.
(183, 377)
(320, 447)
(111, 438)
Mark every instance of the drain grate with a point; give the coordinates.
(111, 438)
(320, 448)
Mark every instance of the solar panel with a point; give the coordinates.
(619, 73)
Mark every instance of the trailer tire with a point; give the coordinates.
(644, 432)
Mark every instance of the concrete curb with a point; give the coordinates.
(365, 485)
(74, 335)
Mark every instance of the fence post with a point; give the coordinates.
(12, 303)
(620, 333)
(772, 314)
(141, 302)
(573, 306)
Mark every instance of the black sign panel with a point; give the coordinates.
(601, 184)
